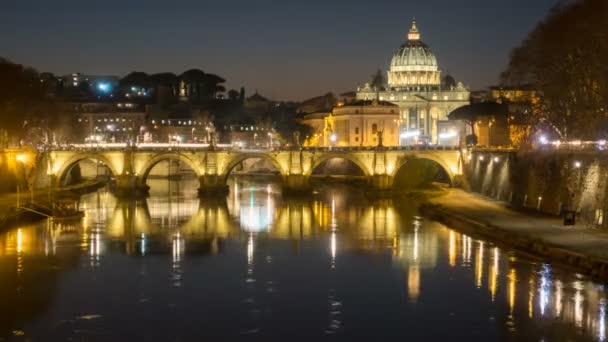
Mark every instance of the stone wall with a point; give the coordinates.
(546, 181)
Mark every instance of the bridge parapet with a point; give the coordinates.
(131, 166)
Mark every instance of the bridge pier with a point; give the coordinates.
(212, 185)
(130, 186)
(380, 186)
(296, 185)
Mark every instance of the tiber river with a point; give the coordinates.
(255, 266)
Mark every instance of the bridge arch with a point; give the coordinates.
(241, 157)
(351, 158)
(149, 165)
(67, 165)
(443, 167)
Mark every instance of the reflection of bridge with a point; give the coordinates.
(131, 166)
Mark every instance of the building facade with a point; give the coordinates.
(415, 85)
(358, 123)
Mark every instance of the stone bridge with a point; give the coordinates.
(131, 165)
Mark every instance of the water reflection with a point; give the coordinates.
(325, 256)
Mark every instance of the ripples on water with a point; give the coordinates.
(258, 266)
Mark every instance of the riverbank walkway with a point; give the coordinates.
(535, 228)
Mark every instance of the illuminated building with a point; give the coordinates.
(356, 124)
(416, 86)
(109, 122)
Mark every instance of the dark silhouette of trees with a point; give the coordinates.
(564, 58)
(25, 110)
(233, 95)
(242, 95)
(377, 81)
(166, 86)
(201, 87)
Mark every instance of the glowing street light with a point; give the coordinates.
(104, 87)
(577, 164)
(333, 138)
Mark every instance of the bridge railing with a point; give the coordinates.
(228, 147)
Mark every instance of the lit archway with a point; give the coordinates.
(338, 165)
(84, 168)
(265, 165)
(170, 173)
(417, 173)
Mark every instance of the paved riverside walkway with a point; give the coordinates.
(497, 216)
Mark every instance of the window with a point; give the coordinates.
(374, 128)
(357, 130)
(357, 139)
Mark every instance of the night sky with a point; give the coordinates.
(285, 49)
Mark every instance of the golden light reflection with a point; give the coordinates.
(415, 249)
(19, 240)
(479, 266)
(493, 273)
(452, 249)
(512, 290)
(413, 282)
(531, 293)
(467, 244)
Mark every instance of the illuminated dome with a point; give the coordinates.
(414, 64)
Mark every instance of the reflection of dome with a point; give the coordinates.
(414, 63)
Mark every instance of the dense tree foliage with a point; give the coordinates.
(377, 81)
(565, 59)
(26, 113)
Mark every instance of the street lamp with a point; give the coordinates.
(333, 138)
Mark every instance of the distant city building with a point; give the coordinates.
(519, 94)
(99, 84)
(358, 123)
(257, 104)
(178, 123)
(244, 136)
(490, 122)
(110, 122)
(416, 86)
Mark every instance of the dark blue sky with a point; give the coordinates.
(286, 49)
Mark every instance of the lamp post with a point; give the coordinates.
(333, 138)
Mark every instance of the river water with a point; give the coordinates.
(255, 266)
